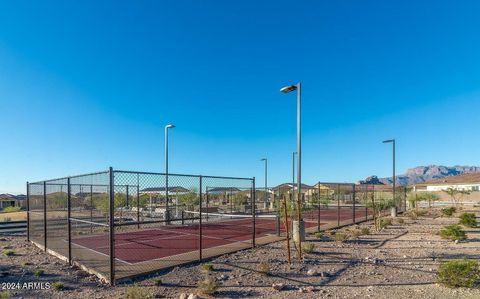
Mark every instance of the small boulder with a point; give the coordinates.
(278, 286)
(312, 272)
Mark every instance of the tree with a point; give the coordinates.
(456, 194)
(380, 204)
(429, 197)
(190, 200)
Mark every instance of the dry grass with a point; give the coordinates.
(15, 216)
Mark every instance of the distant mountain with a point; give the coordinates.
(422, 174)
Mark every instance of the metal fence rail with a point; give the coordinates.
(122, 224)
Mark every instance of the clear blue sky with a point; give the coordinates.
(89, 84)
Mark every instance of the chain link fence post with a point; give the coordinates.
(200, 221)
(69, 221)
(111, 208)
(45, 215)
(28, 212)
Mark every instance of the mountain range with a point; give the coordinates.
(422, 174)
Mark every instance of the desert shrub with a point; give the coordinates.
(157, 282)
(11, 209)
(207, 267)
(5, 295)
(449, 211)
(453, 232)
(38, 272)
(208, 286)
(137, 292)
(318, 235)
(308, 247)
(340, 237)
(384, 222)
(58, 286)
(468, 219)
(355, 233)
(459, 273)
(264, 268)
(8, 252)
(399, 221)
(365, 230)
(422, 212)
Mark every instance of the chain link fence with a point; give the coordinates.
(122, 224)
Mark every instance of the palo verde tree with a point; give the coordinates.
(380, 203)
(456, 194)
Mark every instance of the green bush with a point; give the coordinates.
(453, 232)
(207, 267)
(459, 273)
(137, 292)
(468, 219)
(264, 268)
(58, 286)
(318, 235)
(5, 295)
(39, 273)
(11, 209)
(8, 252)
(157, 282)
(308, 247)
(449, 211)
(208, 286)
(340, 237)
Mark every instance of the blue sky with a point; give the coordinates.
(85, 85)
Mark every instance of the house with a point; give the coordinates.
(287, 188)
(10, 200)
(222, 190)
(178, 190)
(465, 182)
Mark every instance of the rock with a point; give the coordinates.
(193, 296)
(312, 272)
(183, 296)
(324, 274)
(278, 286)
(308, 289)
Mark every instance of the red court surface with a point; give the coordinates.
(168, 241)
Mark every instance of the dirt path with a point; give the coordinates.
(398, 262)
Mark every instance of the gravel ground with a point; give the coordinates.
(397, 262)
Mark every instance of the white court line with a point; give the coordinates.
(98, 252)
(171, 256)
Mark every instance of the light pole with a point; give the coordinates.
(266, 182)
(394, 209)
(288, 89)
(167, 211)
(293, 173)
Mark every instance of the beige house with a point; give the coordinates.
(465, 182)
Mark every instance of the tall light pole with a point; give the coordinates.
(288, 89)
(293, 172)
(392, 141)
(266, 182)
(167, 211)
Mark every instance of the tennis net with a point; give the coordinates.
(264, 224)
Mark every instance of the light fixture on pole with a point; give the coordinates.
(167, 211)
(301, 231)
(394, 209)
